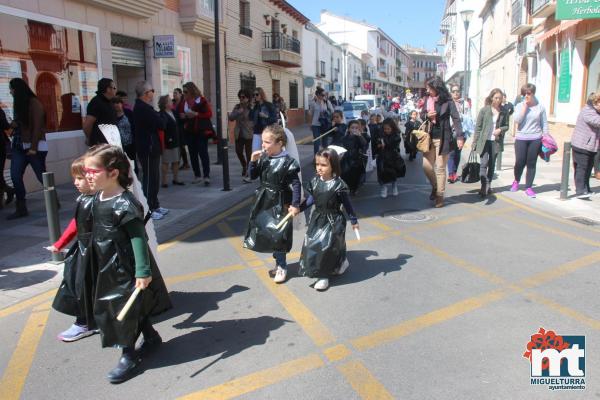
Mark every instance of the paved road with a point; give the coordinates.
(437, 304)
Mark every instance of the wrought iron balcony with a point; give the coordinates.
(281, 49)
(520, 18)
(244, 30)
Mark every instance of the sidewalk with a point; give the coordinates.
(24, 267)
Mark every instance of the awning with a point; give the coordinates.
(564, 25)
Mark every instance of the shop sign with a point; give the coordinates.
(164, 46)
(577, 9)
(564, 84)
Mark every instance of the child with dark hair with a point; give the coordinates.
(123, 260)
(278, 194)
(75, 295)
(336, 137)
(352, 163)
(390, 165)
(324, 248)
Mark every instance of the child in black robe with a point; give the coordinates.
(278, 194)
(353, 160)
(410, 141)
(335, 138)
(324, 248)
(390, 165)
(124, 262)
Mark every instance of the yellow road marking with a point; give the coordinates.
(337, 352)
(27, 303)
(543, 214)
(363, 382)
(387, 335)
(204, 225)
(17, 370)
(557, 232)
(203, 274)
(561, 270)
(299, 312)
(258, 380)
(569, 312)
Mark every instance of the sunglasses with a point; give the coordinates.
(456, 91)
(528, 94)
(256, 94)
(92, 171)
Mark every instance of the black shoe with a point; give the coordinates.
(178, 183)
(125, 369)
(10, 195)
(21, 211)
(150, 344)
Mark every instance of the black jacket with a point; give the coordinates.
(445, 111)
(147, 123)
(171, 130)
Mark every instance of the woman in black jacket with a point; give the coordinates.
(4, 143)
(410, 141)
(438, 108)
(170, 154)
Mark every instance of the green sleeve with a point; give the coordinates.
(137, 234)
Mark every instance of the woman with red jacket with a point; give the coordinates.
(196, 112)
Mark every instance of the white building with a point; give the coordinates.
(322, 63)
(354, 74)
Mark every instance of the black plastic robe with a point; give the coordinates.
(113, 254)
(272, 199)
(390, 164)
(324, 247)
(75, 295)
(353, 160)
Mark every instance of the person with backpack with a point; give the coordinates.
(196, 113)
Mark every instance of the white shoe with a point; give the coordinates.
(343, 267)
(322, 284)
(383, 191)
(161, 210)
(280, 275)
(206, 181)
(156, 215)
(197, 180)
(247, 179)
(394, 189)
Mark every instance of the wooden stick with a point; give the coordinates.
(326, 133)
(283, 221)
(357, 233)
(128, 305)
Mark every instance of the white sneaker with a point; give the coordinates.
(156, 215)
(197, 180)
(206, 181)
(343, 267)
(161, 210)
(280, 275)
(246, 179)
(394, 189)
(322, 284)
(383, 191)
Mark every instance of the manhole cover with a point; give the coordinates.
(409, 215)
(584, 221)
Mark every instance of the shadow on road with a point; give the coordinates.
(10, 280)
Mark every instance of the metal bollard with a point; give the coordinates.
(564, 181)
(52, 212)
(499, 161)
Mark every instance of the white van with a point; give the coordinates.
(373, 100)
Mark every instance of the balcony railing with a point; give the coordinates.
(542, 8)
(280, 41)
(520, 18)
(244, 30)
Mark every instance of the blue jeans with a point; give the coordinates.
(19, 161)
(198, 147)
(280, 259)
(453, 161)
(316, 131)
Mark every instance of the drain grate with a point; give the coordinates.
(584, 221)
(408, 215)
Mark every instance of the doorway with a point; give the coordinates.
(276, 85)
(129, 63)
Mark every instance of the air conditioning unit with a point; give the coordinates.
(529, 44)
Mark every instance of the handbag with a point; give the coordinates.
(548, 147)
(470, 172)
(423, 137)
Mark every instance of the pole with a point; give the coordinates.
(51, 211)
(465, 93)
(564, 180)
(224, 141)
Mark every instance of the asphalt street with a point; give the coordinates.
(436, 304)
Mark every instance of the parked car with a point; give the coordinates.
(352, 109)
(373, 100)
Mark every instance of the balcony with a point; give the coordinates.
(542, 8)
(134, 8)
(281, 49)
(46, 46)
(197, 17)
(366, 76)
(244, 30)
(520, 18)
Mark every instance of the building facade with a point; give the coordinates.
(423, 65)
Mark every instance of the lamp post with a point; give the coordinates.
(223, 141)
(466, 17)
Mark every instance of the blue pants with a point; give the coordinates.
(316, 131)
(198, 147)
(453, 161)
(18, 164)
(280, 259)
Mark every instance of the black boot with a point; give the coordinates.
(10, 194)
(21, 210)
(126, 367)
(484, 186)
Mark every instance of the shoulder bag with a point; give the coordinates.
(423, 137)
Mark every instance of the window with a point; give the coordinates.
(322, 68)
(59, 63)
(245, 18)
(295, 34)
(293, 94)
(248, 81)
(174, 72)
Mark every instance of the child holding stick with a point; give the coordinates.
(121, 254)
(278, 194)
(75, 295)
(324, 249)
(352, 162)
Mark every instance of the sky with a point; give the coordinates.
(413, 22)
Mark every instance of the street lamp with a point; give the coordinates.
(466, 16)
